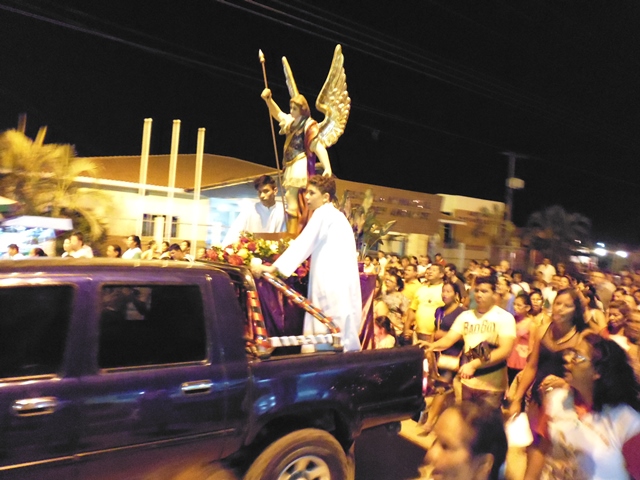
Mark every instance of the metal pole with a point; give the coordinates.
(509, 190)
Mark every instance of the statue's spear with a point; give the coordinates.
(273, 133)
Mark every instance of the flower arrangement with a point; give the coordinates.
(367, 229)
(248, 250)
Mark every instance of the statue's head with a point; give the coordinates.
(302, 106)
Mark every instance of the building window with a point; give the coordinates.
(148, 220)
(448, 234)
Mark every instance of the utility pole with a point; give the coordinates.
(512, 183)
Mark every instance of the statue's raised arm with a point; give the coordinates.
(306, 141)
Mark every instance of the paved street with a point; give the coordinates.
(381, 455)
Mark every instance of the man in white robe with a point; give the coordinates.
(265, 216)
(334, 281)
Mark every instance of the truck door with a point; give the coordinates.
(38, 395)
(155, 406)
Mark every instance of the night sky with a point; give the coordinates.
(439, 89)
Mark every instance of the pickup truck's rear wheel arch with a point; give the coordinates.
(311, 453)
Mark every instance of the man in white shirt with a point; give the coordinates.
(265, 216)
(484, 376)
(77, 247)
(13, 252)
(547, 270)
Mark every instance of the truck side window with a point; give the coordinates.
(143, 325)
(33, 329)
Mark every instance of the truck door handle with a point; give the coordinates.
(35, 406)
(199, 386)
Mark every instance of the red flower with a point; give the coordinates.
(212, 255)
(235, 260)
(251, 246)
(244, 240)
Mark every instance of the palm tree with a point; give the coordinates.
(41, 177)
(554, 232)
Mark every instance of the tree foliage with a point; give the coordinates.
(41, 177)
(554, 232)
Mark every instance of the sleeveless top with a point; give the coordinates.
(444, 322)
(550, 362)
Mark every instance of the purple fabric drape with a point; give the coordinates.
(281, 317)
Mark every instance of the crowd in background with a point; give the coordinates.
(74, 247)
(560, 344)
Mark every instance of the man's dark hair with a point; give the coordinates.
(13, 246)
(487, 432)
(174, 247)
(136, 240)
(79, 236)
(117, 249)
(263, 181)
(490, 280)
(452, 267)
(439, 267)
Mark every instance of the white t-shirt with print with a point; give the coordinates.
(493, 325)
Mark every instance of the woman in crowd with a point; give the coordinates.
(114, 251)
(592, 427)
(448, 360)
(593, 315)
(524, 324)
(151, 252)
(470, 443)
(537, 313)
(164, 251)
(37, 252)
(380, 308)
(395, 301)
(551, 341)
(384, 334)
(505, 297)
(134, 250)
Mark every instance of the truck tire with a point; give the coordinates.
(310, 454)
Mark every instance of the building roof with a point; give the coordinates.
(217, 170)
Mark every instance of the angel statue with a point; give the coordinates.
(307, 141)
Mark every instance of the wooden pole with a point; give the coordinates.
(273, 133)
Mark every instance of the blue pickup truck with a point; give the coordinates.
(122, 369)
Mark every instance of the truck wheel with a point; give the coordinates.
(310, 454)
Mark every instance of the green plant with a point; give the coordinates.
(368, 230)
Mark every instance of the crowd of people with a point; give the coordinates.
(562, 347)
(74, 247)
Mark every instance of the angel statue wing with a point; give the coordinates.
(288, 76)
(334, 101)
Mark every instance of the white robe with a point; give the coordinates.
(257, 219)
(334, 281)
